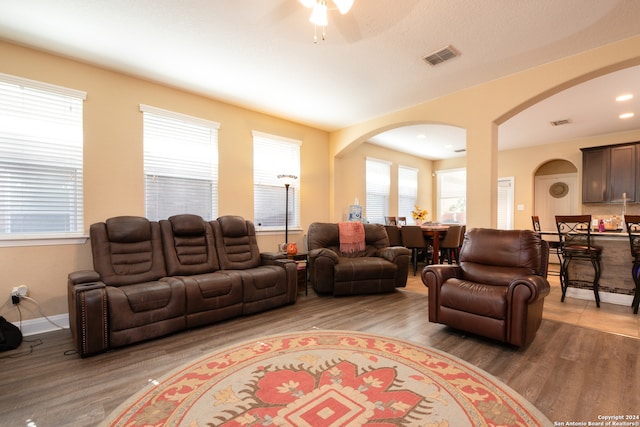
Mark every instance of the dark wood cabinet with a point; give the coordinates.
(595, 168)
(609, 172)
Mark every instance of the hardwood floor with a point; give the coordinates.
(569, 372)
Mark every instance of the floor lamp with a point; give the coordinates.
(287, 181)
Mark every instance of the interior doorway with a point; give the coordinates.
(555, 192)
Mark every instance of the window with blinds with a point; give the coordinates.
(180, 164)
(41, 143)
(407, 191)
(452, 196)
(272, 156)
(378, 176)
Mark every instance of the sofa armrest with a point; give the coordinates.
(525, 301)
(433, 276)
(88, 315)
(392, 253)
(321, 268)
(83, 276)
(274, 258)
(528, 289)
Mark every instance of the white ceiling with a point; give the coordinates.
(260, 55)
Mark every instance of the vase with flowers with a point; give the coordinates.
(419, 215)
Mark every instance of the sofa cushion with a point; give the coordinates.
(476, 298)
(188, 245)
(363, 268)
(127, 250)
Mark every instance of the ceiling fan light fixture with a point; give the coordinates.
(308, 3)
(319, 14)
(344, 6)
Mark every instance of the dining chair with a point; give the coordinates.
(553, 246)
(632, 223)
(451, 243)
(390, 220)
(395, 237)
(574, 234)
(413, 238)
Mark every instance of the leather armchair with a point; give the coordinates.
(379, 268)
(497, 290)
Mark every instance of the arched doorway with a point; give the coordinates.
(555, 191)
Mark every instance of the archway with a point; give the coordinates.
(555, 191)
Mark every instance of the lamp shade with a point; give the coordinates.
(287, 179)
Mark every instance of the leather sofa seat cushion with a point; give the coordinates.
(210, 285)
(147, 296)
(476, 298)
(363, 268)
(264, 281)
(235, 242)
(141, 304)
(493, 274)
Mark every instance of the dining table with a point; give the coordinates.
(435, 231)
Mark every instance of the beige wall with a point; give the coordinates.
(332, 172)
(480, 110)
(350, 172)
(113, 162)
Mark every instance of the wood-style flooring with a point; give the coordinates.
(569, 372)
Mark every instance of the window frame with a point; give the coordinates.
(28, 90)
(381, 189)
(265, 180)
(202, 134)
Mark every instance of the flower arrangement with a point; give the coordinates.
(419, 214)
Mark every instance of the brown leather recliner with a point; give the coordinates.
(155, 278)
(132, 299)
(379, 268)
(211, 295)
(497, 289)
(267, 280)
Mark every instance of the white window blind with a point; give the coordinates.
(378, 187)
(180, 164)
(41, 142)
(272, 156)
(452, 195)
(407, 191)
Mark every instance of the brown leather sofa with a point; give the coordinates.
(379, 268)
(496, 290)
(155, 278)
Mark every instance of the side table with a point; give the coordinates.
(301, 261)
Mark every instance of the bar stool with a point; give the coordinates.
(553, 246)
(574, 233)
(632, 223)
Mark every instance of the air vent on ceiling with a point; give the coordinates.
(560, 122)
(442, 55)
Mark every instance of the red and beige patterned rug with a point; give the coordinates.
(327, 378)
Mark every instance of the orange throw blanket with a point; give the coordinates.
(351, 237)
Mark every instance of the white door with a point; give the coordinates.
(555, 195)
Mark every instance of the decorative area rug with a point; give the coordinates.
(327, 378)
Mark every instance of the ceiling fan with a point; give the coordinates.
(319, 13)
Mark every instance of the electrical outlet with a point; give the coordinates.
(20, 291)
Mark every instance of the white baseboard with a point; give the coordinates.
(42, 325)
(607, 297)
